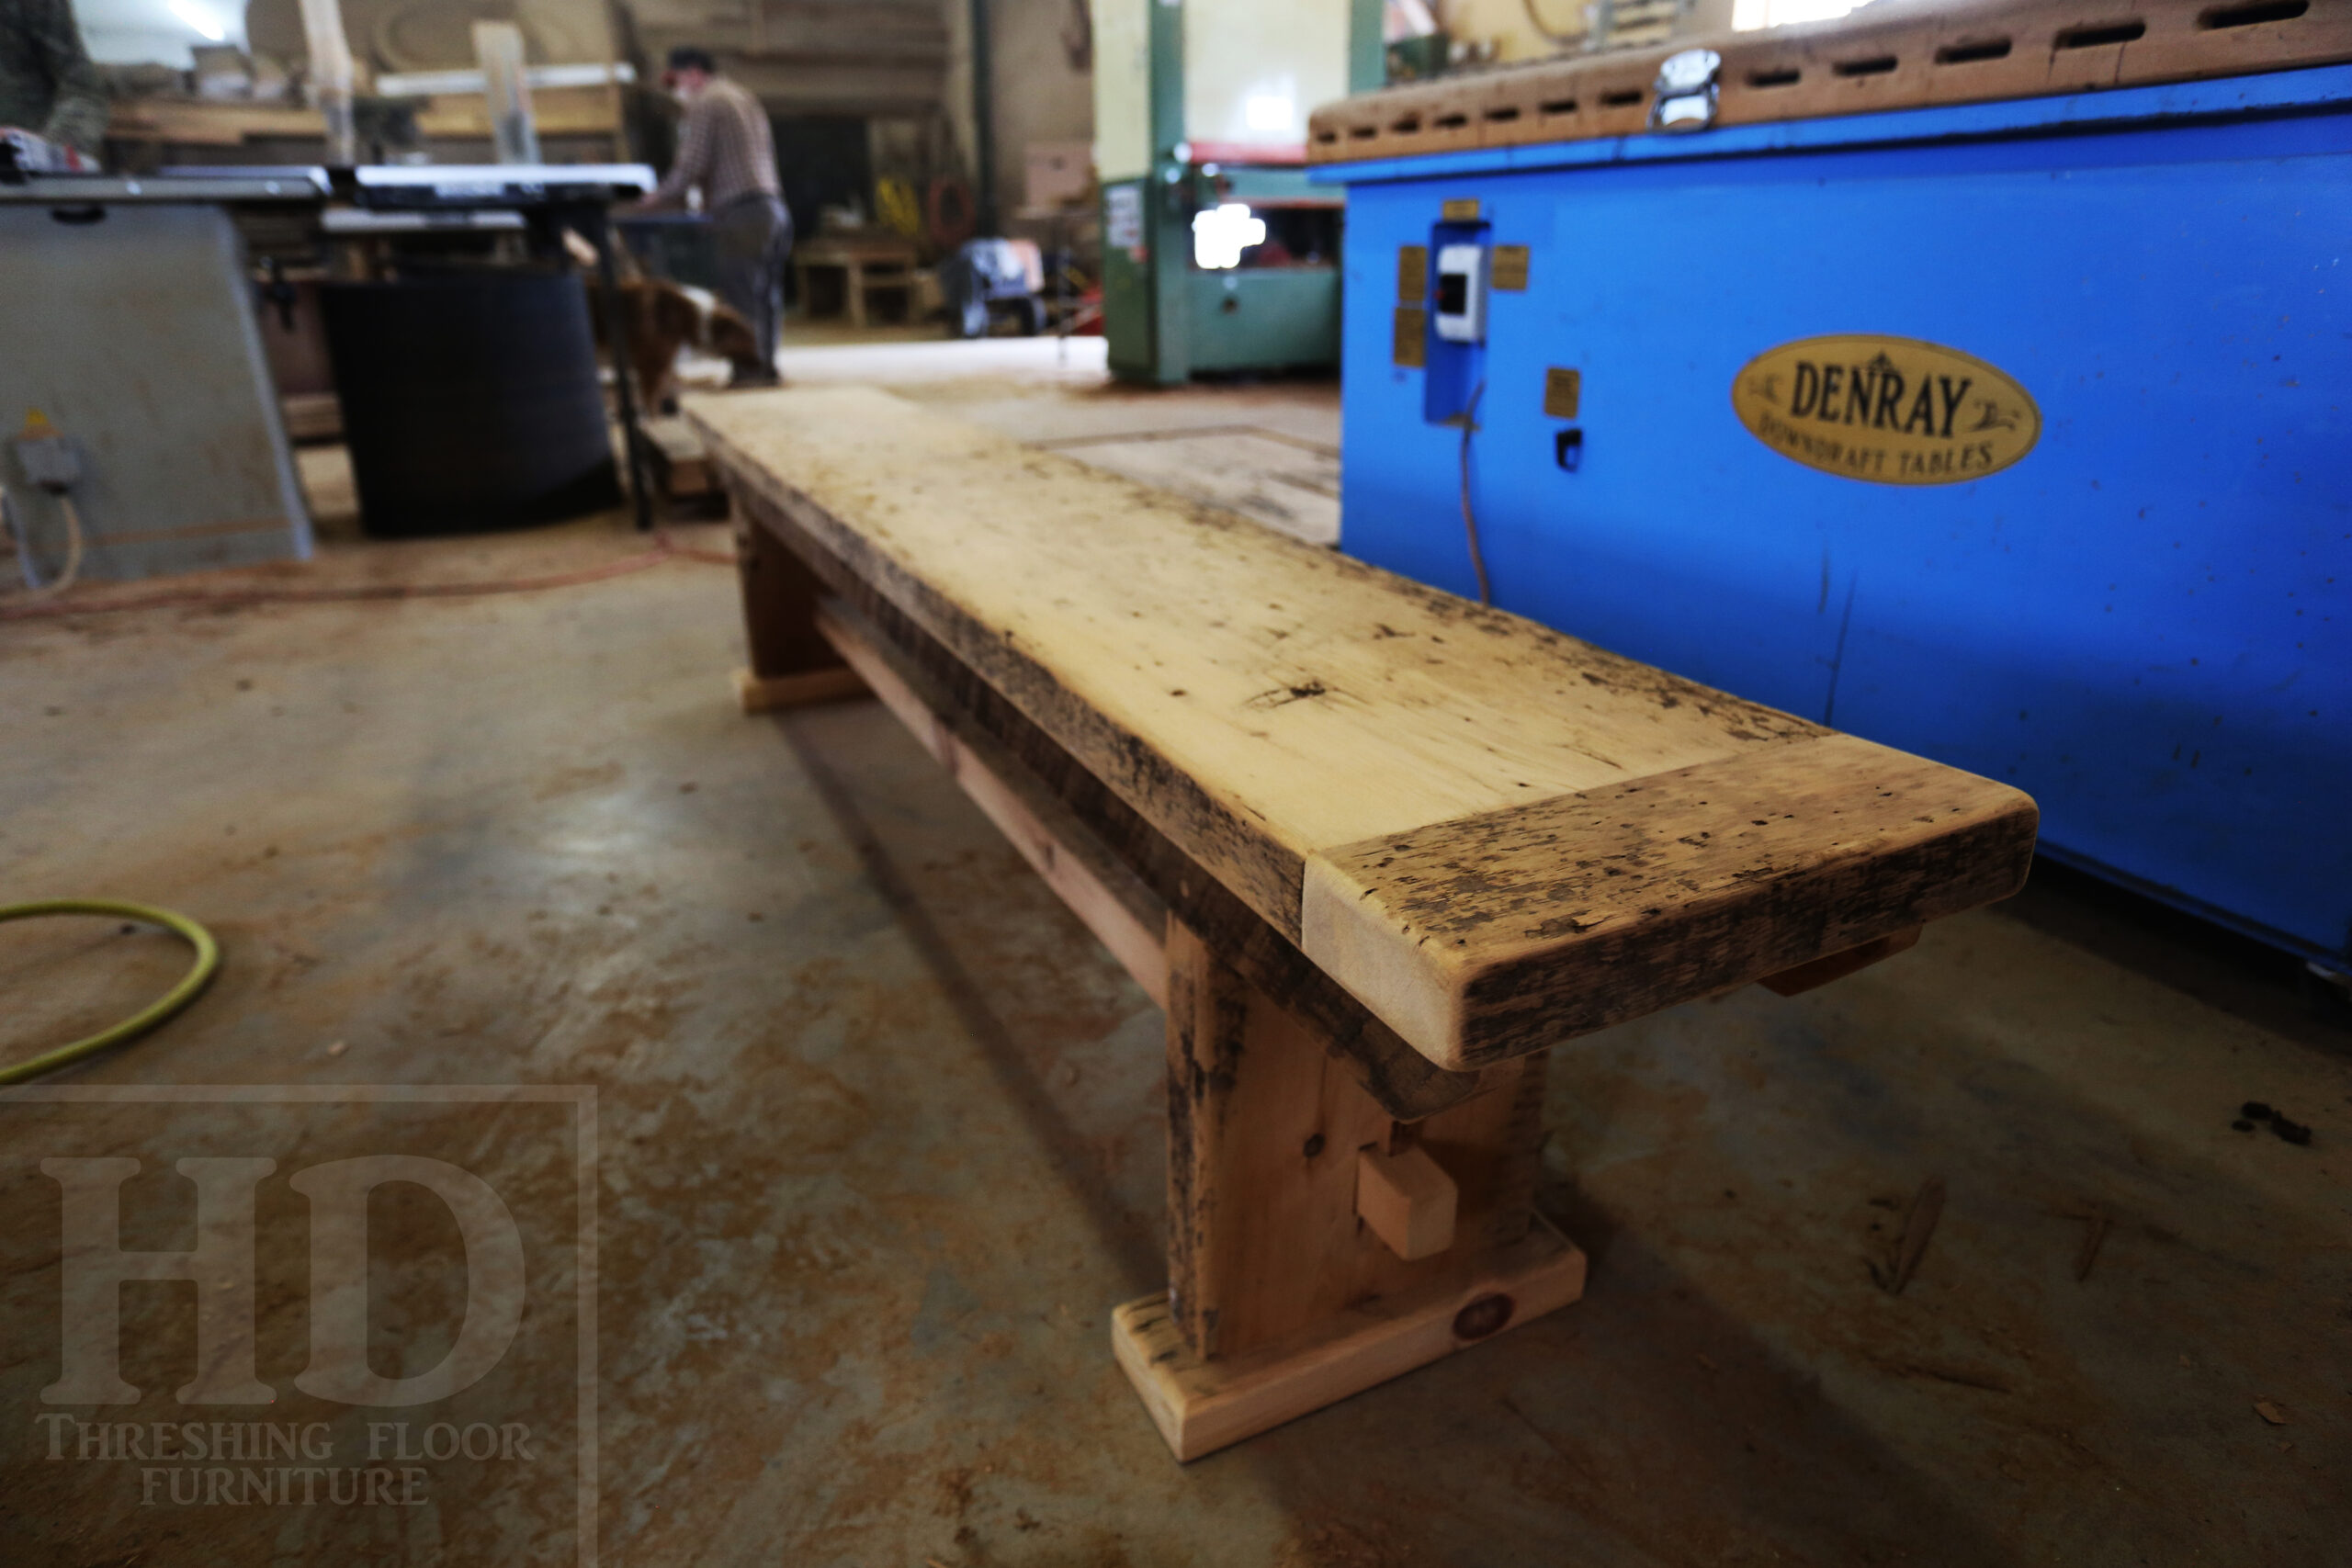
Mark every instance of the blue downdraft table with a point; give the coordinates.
(2141, 620)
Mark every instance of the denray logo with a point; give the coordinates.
(1890, 409)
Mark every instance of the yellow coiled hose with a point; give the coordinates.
(207, 960)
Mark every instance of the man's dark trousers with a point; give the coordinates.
(754, 237)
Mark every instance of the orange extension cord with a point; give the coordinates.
(664, 548)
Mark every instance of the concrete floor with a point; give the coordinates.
(879, 1142)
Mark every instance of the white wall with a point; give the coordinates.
(133, 32)
(1255, 69)
(1121, 88)
(1040, 94)
(1506, 23)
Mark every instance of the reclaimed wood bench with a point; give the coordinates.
(1375, 849)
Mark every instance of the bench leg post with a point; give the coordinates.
(1280, 1300)
(791, 664)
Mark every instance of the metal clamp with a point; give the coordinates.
(1684, 95)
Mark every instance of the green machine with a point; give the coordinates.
(1218, 255)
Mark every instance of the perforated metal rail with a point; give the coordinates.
(1977, 52)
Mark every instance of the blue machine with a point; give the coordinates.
(2129, 593)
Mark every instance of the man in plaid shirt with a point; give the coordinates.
(727, 150)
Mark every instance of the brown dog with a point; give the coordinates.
(663, 318)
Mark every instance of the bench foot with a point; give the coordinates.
(791, 664)
(1201, 1407)
(759, 694)
(1317, 1245)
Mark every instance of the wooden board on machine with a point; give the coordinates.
(1330, 741)
(1891, 55)
(555, 111)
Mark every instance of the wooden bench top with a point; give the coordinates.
(1493, 835)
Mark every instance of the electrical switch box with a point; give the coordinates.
(1462, 293)
(1459, 278)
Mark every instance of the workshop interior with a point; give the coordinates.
(1330, 784)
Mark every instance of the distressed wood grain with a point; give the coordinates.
(1247, 718)
(1402, 1081)
(1492, 935)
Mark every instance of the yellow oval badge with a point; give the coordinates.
(1893, 411)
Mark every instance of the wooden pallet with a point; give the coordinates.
(1375, 849)
(1973, 52)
